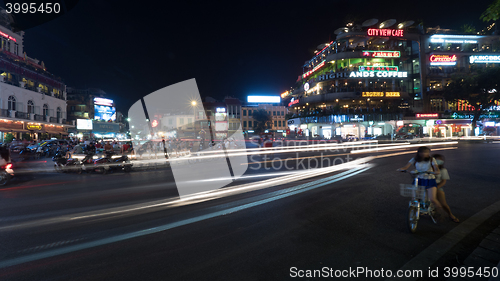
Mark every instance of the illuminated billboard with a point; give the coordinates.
(83, 124)
(264, 99)
(103, 101)
(106, 113)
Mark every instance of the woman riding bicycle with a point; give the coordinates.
(428, 166)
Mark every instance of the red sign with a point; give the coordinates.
(385, 32)
(154, 123)
(378, 68)
(8, 36)
(382, 54)
(427, 115)
(313, 70)
(443, 58)
(292, 102)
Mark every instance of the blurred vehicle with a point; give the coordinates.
(49, 148)
(6, 167)
(351, 137)
(62, 164)
(26, 153)
(110, 163)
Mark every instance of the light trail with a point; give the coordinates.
(194, 198)
(122, 237)
(401, 146)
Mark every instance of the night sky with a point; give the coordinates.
(231, 48)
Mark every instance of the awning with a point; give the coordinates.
(55, 132)
(9, 130)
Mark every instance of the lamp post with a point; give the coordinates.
(193, 104)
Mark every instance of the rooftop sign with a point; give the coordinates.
(385, 32)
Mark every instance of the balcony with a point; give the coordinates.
(22, 115)
(39, 117)
(53, 119)
(4, 113)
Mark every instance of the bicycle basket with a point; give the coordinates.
(409, 190)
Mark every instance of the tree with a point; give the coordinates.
(8, 138)
(468, 29)
(262, 120)
(492, 13)
(479, 89)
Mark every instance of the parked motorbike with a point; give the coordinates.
(6, 173)
(62, 164)
(109, 163)
(87, 163)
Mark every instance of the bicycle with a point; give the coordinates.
(419, 203)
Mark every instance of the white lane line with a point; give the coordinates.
(436, 250)
(122, 237)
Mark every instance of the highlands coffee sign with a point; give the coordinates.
(364, 74)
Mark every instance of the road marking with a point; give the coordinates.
(294, 190)
(436, 250)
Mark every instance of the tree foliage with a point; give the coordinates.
(492, 13)
(262, 120)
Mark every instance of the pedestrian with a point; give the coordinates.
(441, 179)
(108, 147)
(425, 163)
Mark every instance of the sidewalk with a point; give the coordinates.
(487, 254)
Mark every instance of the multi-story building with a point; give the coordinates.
(374, 74)
(276, 112)
(81, 102)
(32, 100)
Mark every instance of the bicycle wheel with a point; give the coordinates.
(412, 219)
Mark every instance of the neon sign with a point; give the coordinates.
(8, 36)
(380, 94)
(220, 110)
(378, 68)
(313, 70)
(385, 32)
(372, 94)
(283, 95)
(392, 94)
(427, 115)
(485, 59)
(154, 123)
(443, 59)
(382, 54)
(293, 101)
(379, 74)
(454, 39)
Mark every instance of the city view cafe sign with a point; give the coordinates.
(363, 74)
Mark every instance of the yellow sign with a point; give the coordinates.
(392, 94)
(33, 127)
(381, 94)
(372, 94)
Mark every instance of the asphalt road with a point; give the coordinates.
(133, 227)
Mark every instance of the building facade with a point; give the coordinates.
(32, 100)
(375, 72)
(276, 112)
